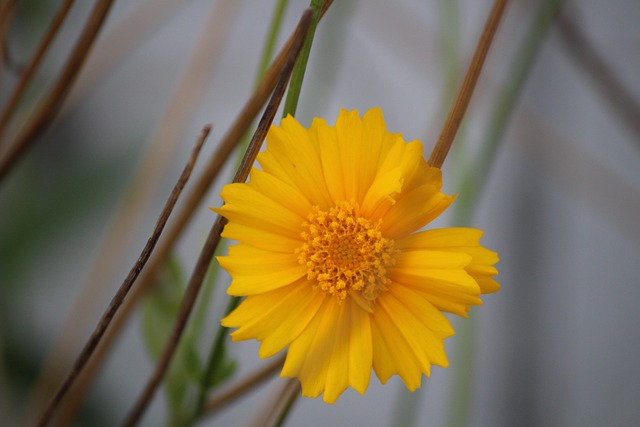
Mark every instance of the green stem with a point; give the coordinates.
(408, 403)
(293, 94)
(265, 61)
(217, 350)
(476, 176)
(216, 355)
(472, 185)
(272, 36)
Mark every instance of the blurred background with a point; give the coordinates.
(550, 149)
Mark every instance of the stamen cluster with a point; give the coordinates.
(345, 252)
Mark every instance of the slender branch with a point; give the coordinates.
(30, 70)
(142, 188)
(5, 15)
(276, 408)
(120, 40)
(244, 386)
(272, 35)
(52, 102)
(119, 297)
(475, 174)
(289, 397)
(202, 265)
(293, 95)
(188, 207)
(580, 49)
(217, 351)
(450, 128)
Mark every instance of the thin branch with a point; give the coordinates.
(142, 188)
(288, 399)
(119, 42)
(450, 128)
(31, 68)
(202, 265)
(5, 15)
(278, 405)
(581, 50)
(52, 102)
(179, 222)
(242, 387)
(119, 297)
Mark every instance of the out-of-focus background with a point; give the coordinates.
(560, 201)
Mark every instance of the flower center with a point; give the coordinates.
(345, 253)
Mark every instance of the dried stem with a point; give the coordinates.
(242, 387)
(30, 70)
(181, 219)
(52, 102)
(581, 50)
(439, 152)
(273, 412)
(202, 265)
(119, 297)
(289, 397)
(119, 40)
(5, 15)
(142, 188)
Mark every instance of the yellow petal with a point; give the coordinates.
(422, 326)
(430, 259)
(351, 358)
(245, 205)
(413, 210)
(269, 240)
(255, 270)
(381, 194)
(422, 309)
(459, 240)
(454, 282)
(275, 318)
(307, 356)
(442, 238)
(334, 352)
(280, 192)
(392, 352)
(292, 156)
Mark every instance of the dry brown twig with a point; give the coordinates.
(278, 406)
(50, 105)
(456, 114)
(202, 265)
(134, 205)
(32, 66)
(243, 386)
(181, 219)
(119, 297)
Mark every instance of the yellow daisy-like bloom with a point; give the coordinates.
(331, 263)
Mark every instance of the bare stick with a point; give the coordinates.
(288, 399)
(202, 265)
(179, 222)
(29, 71)
(93, 341)
(439, 152)
(5, 15)
(277, 407)
(141, 190)
(51, 104)
(242, 387)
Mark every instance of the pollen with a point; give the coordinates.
(345, 253)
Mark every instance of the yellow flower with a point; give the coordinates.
(331, 263)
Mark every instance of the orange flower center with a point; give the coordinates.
(345, 253)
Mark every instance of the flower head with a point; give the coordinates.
(331, 261)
